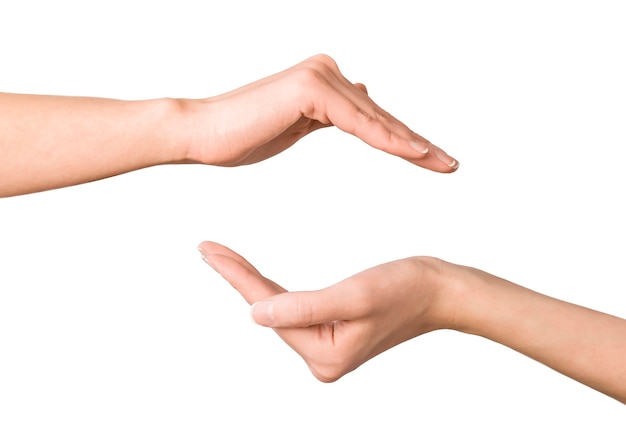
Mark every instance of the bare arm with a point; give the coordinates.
(50, 141)
(394, 302)
(584, 344)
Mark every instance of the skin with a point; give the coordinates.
(50, 142)
(397, 301)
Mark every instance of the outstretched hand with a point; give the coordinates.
(261, 119)
(56, 141)
(338, 328)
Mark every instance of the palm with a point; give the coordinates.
(385, 301)
(274, 146)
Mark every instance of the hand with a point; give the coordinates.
(262, 119)
(338, 328)
(85, 139)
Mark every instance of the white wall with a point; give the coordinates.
(107, 312)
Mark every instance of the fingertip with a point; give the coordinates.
(201, 246)
(262, 313)
(204, 250)
(434, 165)
(216, 255)
(210, 247)
(435, 160)
(446, 159)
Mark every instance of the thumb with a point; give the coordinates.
(302, 309)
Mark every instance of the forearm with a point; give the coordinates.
(583, 344)
(48, 141)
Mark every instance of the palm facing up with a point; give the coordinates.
(338, 328)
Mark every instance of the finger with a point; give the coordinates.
(436, 160)
(332, 99)
(207, 248)
(383, 131)
(242, 276)
(361, 87)
(358, 114)
(251, 284)
(304, 309)
(365, 108)
(359, 297)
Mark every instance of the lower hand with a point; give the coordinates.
(338, 328)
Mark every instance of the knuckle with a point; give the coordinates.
(377, 116)
(323, 60)
(304, 313)
(382, 116)
(317, 69)
(423, 263)
(312, 77)
(364, 117)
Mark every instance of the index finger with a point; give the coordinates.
(237, 271)
(349, 107)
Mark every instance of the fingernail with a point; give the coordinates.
(205, 257)
(421, 147)
(449, 161)
(262, 313)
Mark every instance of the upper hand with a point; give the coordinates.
(259, 120)
(338, 328)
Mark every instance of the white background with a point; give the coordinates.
(107, 312)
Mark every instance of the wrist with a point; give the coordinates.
(450, 291)
(489, 306)
(174, 123)
(464, 297)
(467, 307)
